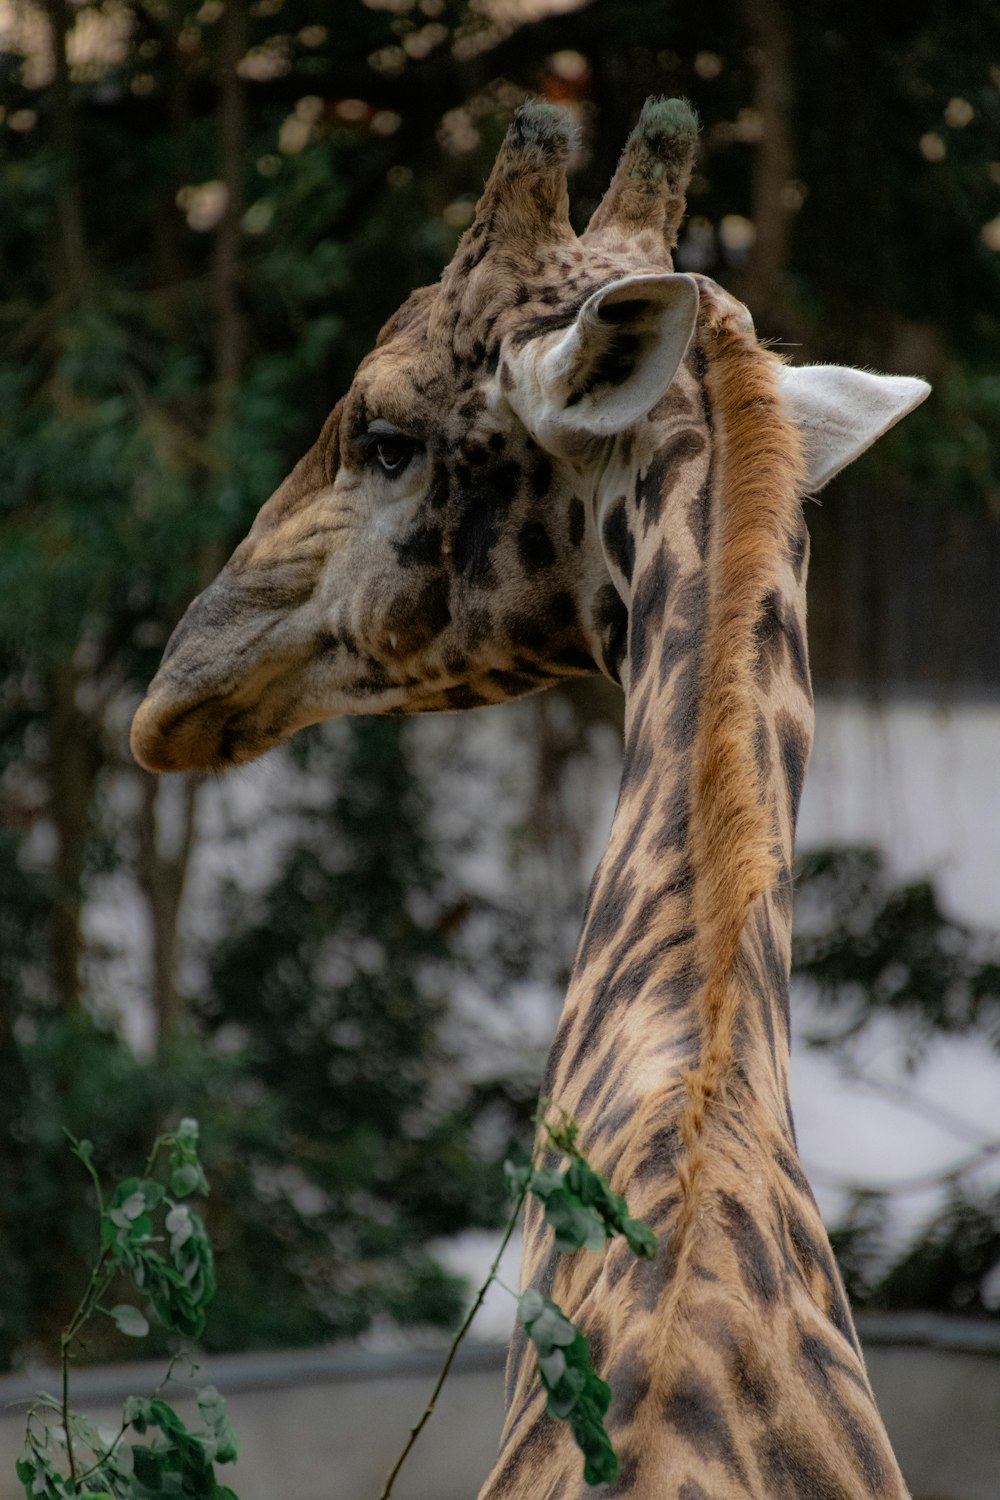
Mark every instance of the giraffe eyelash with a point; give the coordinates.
(385, 447)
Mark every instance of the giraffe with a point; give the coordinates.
(566, 458)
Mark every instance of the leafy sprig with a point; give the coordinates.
(158, 1243)
(584, 1213)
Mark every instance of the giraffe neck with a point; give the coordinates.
(694, 884)
(732, 1358)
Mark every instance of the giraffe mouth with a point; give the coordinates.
(214, 733)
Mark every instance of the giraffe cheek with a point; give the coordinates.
(411, 621)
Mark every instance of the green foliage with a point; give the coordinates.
(319, 1235)
(872, 948)
(580, 1205)
(66, 1454)
(576, 1393)
(587, 1213)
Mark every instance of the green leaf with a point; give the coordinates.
(641, 1239)
(129, 1320)
(576, 1226)
(137, 1413)
(529, 1305)
(518, 1175)
(184, 1180)
(575, 1392)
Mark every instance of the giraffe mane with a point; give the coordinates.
(733, 841)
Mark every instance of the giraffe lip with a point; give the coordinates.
(209, 734)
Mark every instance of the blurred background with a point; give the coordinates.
(348, 960)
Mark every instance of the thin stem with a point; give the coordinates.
(453, 1350)
(64, 1351)
(105, 1456)
(99, 1278)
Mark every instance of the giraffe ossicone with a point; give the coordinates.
(565, 458)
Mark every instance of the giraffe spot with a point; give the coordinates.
(699, 516)
(611, 992)
(658, 1156)
(696, 1412)
(596, 1082)
(661, 1211)
(793, 748)
(555, 1056)
(629, 1380)
(655, 485)
(440, 490)
(792, 1467)
(506, 377)
(618, 1261)
(513, 684)
(577, 521)
(649, 601)
(611, 622)
(606, 917)
(540, 475)
(476, 535)
(628, 1474)
(674, 826)
(682, 721)
(532, 1448)
(596, 1341)
(420, 547)
(753, 1383)
(576, 657)
(651, 1278)
(638, 757)
(478, 625)
(792, 1171)
(812, 1253)
(819, 1363)
(618, 540)
(535, 547)
(775, 629)
(756, 1267)
(472, 406)
(463, 696)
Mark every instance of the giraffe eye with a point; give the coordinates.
(392, 454)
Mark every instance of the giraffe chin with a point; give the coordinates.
(209, 736)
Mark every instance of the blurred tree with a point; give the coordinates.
(868, 950)
(206, 211)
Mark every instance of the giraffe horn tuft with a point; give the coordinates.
(647, 190)
(545, 127)
(525, 202)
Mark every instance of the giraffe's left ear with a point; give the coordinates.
(842, 412)
(617, 357)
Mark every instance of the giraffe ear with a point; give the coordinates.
(619, 355)
(842, 412)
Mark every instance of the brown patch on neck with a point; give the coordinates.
(732, 840)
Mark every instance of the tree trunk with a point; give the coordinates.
(72, 773)
(773, 168)
(162, 875)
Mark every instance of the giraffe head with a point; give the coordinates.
(444, 543)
